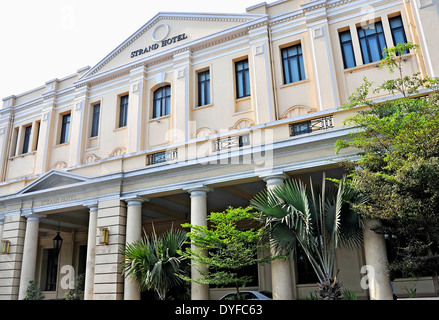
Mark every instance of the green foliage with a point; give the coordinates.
(349, 294)
(398, 172)
(33, 291)
(411, 292)
(230, 247)
(77, 292)
(154, 263)
(312, 296)
(318, 219)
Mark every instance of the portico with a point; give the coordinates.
(80, 217)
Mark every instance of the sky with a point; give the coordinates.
(41, 40)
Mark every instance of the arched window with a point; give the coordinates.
(162, 102)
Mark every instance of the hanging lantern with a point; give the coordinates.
(57, 242)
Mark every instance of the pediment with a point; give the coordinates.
(53, 179)
(165, 32)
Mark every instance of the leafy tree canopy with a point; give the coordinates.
(232, 242)
(398, 140)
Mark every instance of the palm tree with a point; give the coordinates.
(153, 262)
(317, 220)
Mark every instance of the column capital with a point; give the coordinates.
(198, 190)
(92, 205)
(31, 216)
(273, 178)
(135, 200)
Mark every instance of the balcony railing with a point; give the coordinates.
(313, 125)
(161, 157)
(231, 142)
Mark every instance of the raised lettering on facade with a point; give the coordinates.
(161, 44)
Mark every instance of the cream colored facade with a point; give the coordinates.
(218, 154)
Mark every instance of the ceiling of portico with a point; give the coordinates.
(65, 221)
(178, 205)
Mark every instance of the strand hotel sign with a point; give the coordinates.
(160, 36)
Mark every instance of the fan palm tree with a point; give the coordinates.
(317, 220)
(153, 262)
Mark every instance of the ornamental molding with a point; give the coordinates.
(219, 41)
(108, 78)
(28, 105)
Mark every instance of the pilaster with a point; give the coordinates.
(181, 97)
(47, 135)
(6, 121)
(425, 14)
(322, 55)
(262, 81)
(136, 110)
(10, 264)
(78, 120)
(108, 280)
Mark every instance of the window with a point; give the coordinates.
(26, 140)
(242, 79)
(162, 102)
(347, 49)
(82, 259)
(95, 120)
(292, 62)
(65, 127)
(38, 135)
(305, 271)
(398, 33)
(14, 148)
(300, 128)
(203, 88)
(50, 269)
(123, 111)
(372, 42)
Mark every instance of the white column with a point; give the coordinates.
(199, 217)
(375, 253)
(281, 280)
(133, 233)
(29, 253)
(91, 252)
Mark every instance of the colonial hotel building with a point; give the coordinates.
(191, 114)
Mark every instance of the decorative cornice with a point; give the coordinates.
(334, 4)
(108, 78)
(28, 105)
(232, 37)
(313, 5)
